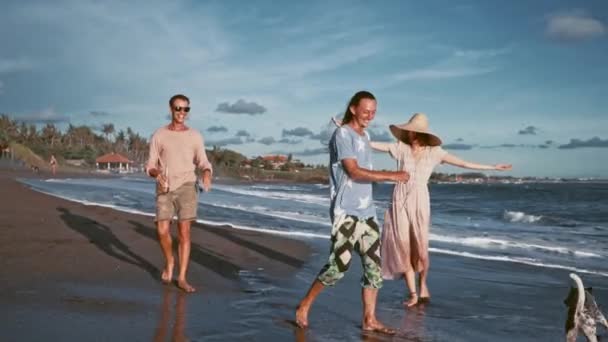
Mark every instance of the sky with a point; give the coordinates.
(520, 82)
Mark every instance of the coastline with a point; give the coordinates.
(71, 268)
(63, 256)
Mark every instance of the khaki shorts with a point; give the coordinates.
(182, 202)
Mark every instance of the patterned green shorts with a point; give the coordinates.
(348, 234)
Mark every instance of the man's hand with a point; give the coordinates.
(161, 179)
(206, 180)
(401, 176)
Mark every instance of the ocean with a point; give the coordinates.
(500, 254)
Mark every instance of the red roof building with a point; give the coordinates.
(113, 162)
(276, 159)
(113, 158)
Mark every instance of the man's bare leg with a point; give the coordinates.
(183, 253)
(164, 238)
(370, 322)
(306, 303)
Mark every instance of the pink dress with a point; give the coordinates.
(405, 235)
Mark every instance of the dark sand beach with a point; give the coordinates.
(76, 272)
(73, 272)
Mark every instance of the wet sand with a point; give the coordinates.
(64, 262)
(76, 272)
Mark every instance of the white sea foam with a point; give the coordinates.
(471, 241)
(277, 187)
(98, 204)
(265, 230)
(207, 222)
(484, 242)
(519, 216)
(303, 198)
(58, 180)
(287, 215)
(525, 261)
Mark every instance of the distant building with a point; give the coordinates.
(276, 160)
(113, 162)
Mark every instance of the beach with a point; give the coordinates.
(77, 272)
(87, 268)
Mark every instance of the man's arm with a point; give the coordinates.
(153, 158)
(203, 164)
(359, 174)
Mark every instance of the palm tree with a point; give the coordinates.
(108, 129)
(120, 141)
(23, 132)
(69, 135)
(32, 133)
(50, 134)
(9, 127)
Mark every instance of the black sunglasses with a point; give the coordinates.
(179, 109)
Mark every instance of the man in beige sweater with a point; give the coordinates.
(176, 151)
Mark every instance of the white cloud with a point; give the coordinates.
(441, 73)
(1, 87)
(459, 63)
(45, 116)
(574, 26)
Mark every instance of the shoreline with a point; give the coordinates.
(48, 239)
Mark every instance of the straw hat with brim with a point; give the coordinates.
(418, 123)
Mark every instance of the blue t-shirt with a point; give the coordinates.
(347, 196)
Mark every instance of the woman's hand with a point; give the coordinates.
(502, 167)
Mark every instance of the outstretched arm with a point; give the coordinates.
(378, 146)
(453, 160)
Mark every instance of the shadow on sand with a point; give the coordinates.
(103, 238)
(269, 253)
(198, 254)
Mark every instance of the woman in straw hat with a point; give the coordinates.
(405, 237)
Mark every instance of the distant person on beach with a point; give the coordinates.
(352, 211)
(405, 235)
(53, 163)
(176, 151)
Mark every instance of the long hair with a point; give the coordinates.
(354, 101)
(423, 139)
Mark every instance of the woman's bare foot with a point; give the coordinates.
(373, 325)
(302, 316)
(413, 300)
(183, 284)
(167, 275)
(425, 295)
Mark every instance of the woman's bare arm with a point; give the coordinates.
(453, 160)
(378, 146)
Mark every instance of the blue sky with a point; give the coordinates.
(500, 81)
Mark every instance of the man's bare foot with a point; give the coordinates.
(184, 286)
(167, 275)
(302, 316)
(373, 325)
(413, 300)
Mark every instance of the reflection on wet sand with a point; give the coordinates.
(412, 326)
(165, 318)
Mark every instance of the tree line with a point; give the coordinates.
(75, 142)
(83, 143)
